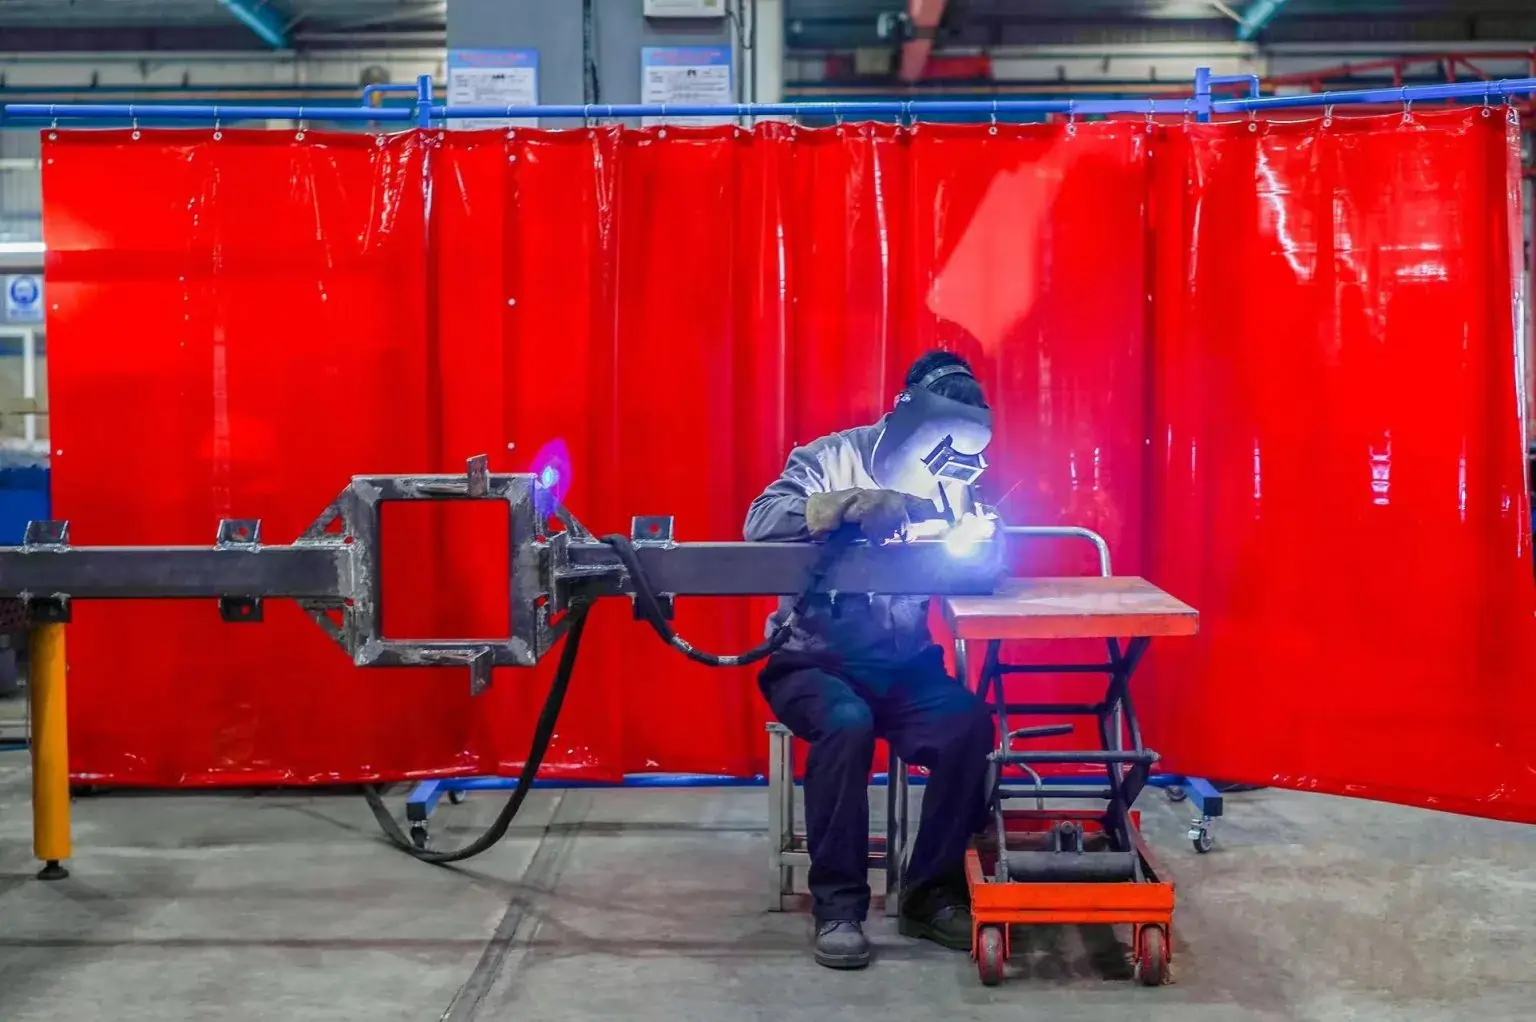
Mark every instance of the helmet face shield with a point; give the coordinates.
(928, 438)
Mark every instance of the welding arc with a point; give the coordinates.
(543, 731)
(651, 610)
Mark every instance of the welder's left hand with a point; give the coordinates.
(880, 514)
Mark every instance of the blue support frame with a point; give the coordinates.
(264, 18)
(268, 22)
(425, 113)
(424, 798)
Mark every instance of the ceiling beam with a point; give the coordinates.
(924, 16)
(1258, 14)
(263, 18)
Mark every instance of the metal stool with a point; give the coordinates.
(786, 846)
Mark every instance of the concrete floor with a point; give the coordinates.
(648, 905)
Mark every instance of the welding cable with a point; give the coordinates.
(651, 610)
(543, 732)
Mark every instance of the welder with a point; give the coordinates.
(860, 667)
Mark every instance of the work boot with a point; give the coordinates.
(939, 913)
(841, 944)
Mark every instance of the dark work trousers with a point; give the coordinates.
(928, 718)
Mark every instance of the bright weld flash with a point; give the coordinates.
(968, 533)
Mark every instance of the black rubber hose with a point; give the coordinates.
(652, 612)
(543, 731)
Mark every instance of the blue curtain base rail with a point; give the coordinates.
(427, 794)
(424, 112)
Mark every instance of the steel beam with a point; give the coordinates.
(318, 573)
(334, 570)
(1258, 15)
(924, 568)
(264, 18)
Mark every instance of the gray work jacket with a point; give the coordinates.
(878, 629)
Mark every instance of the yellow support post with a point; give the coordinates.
(50, 752)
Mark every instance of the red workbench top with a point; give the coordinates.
(1121, 606)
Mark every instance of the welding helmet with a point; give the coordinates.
(927, 438)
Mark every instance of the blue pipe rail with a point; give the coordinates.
(1252, 81)
(370, 91)
(1488, 92)
(830, 108)
(185, 112)
(425, 113)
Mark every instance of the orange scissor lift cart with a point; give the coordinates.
(1045, 865)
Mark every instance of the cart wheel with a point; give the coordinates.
(989, 955)
(1203, 841)
(419, 835)
(455, 797)
(1176, 793)
(1152, 956)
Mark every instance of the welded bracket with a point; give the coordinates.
(48, 535)
(653, 531)
(240, 534)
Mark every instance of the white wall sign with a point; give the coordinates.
(685, 8)
(685, 76)
(504, 78)
(24, 298)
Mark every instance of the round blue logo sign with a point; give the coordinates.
(24, 290)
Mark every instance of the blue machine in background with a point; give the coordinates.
(23, 498)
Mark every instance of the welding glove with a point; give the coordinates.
(880, 514)
(824, 512)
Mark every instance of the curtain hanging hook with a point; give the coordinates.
(1151, 109)
(1328, 115)
(1188, 115)
(993, 129)
(1253, 119)
(218, 131)
(135, 119)
(1407, 106)
(586, 116)
(1071, 118)
(53, 129)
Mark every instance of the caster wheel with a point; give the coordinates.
(990, 955)
(419, 836)
(1203, 841)
(1176, 793)
(456, 798)
(1152, 956)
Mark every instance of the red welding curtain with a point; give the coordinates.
(1337, 459)
(680, 309)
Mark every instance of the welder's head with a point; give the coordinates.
(938, 428)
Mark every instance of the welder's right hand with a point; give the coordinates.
(824, 512)
(880, 514)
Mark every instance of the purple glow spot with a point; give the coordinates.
(551, 468)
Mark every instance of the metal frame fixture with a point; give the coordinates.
(333, 571)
